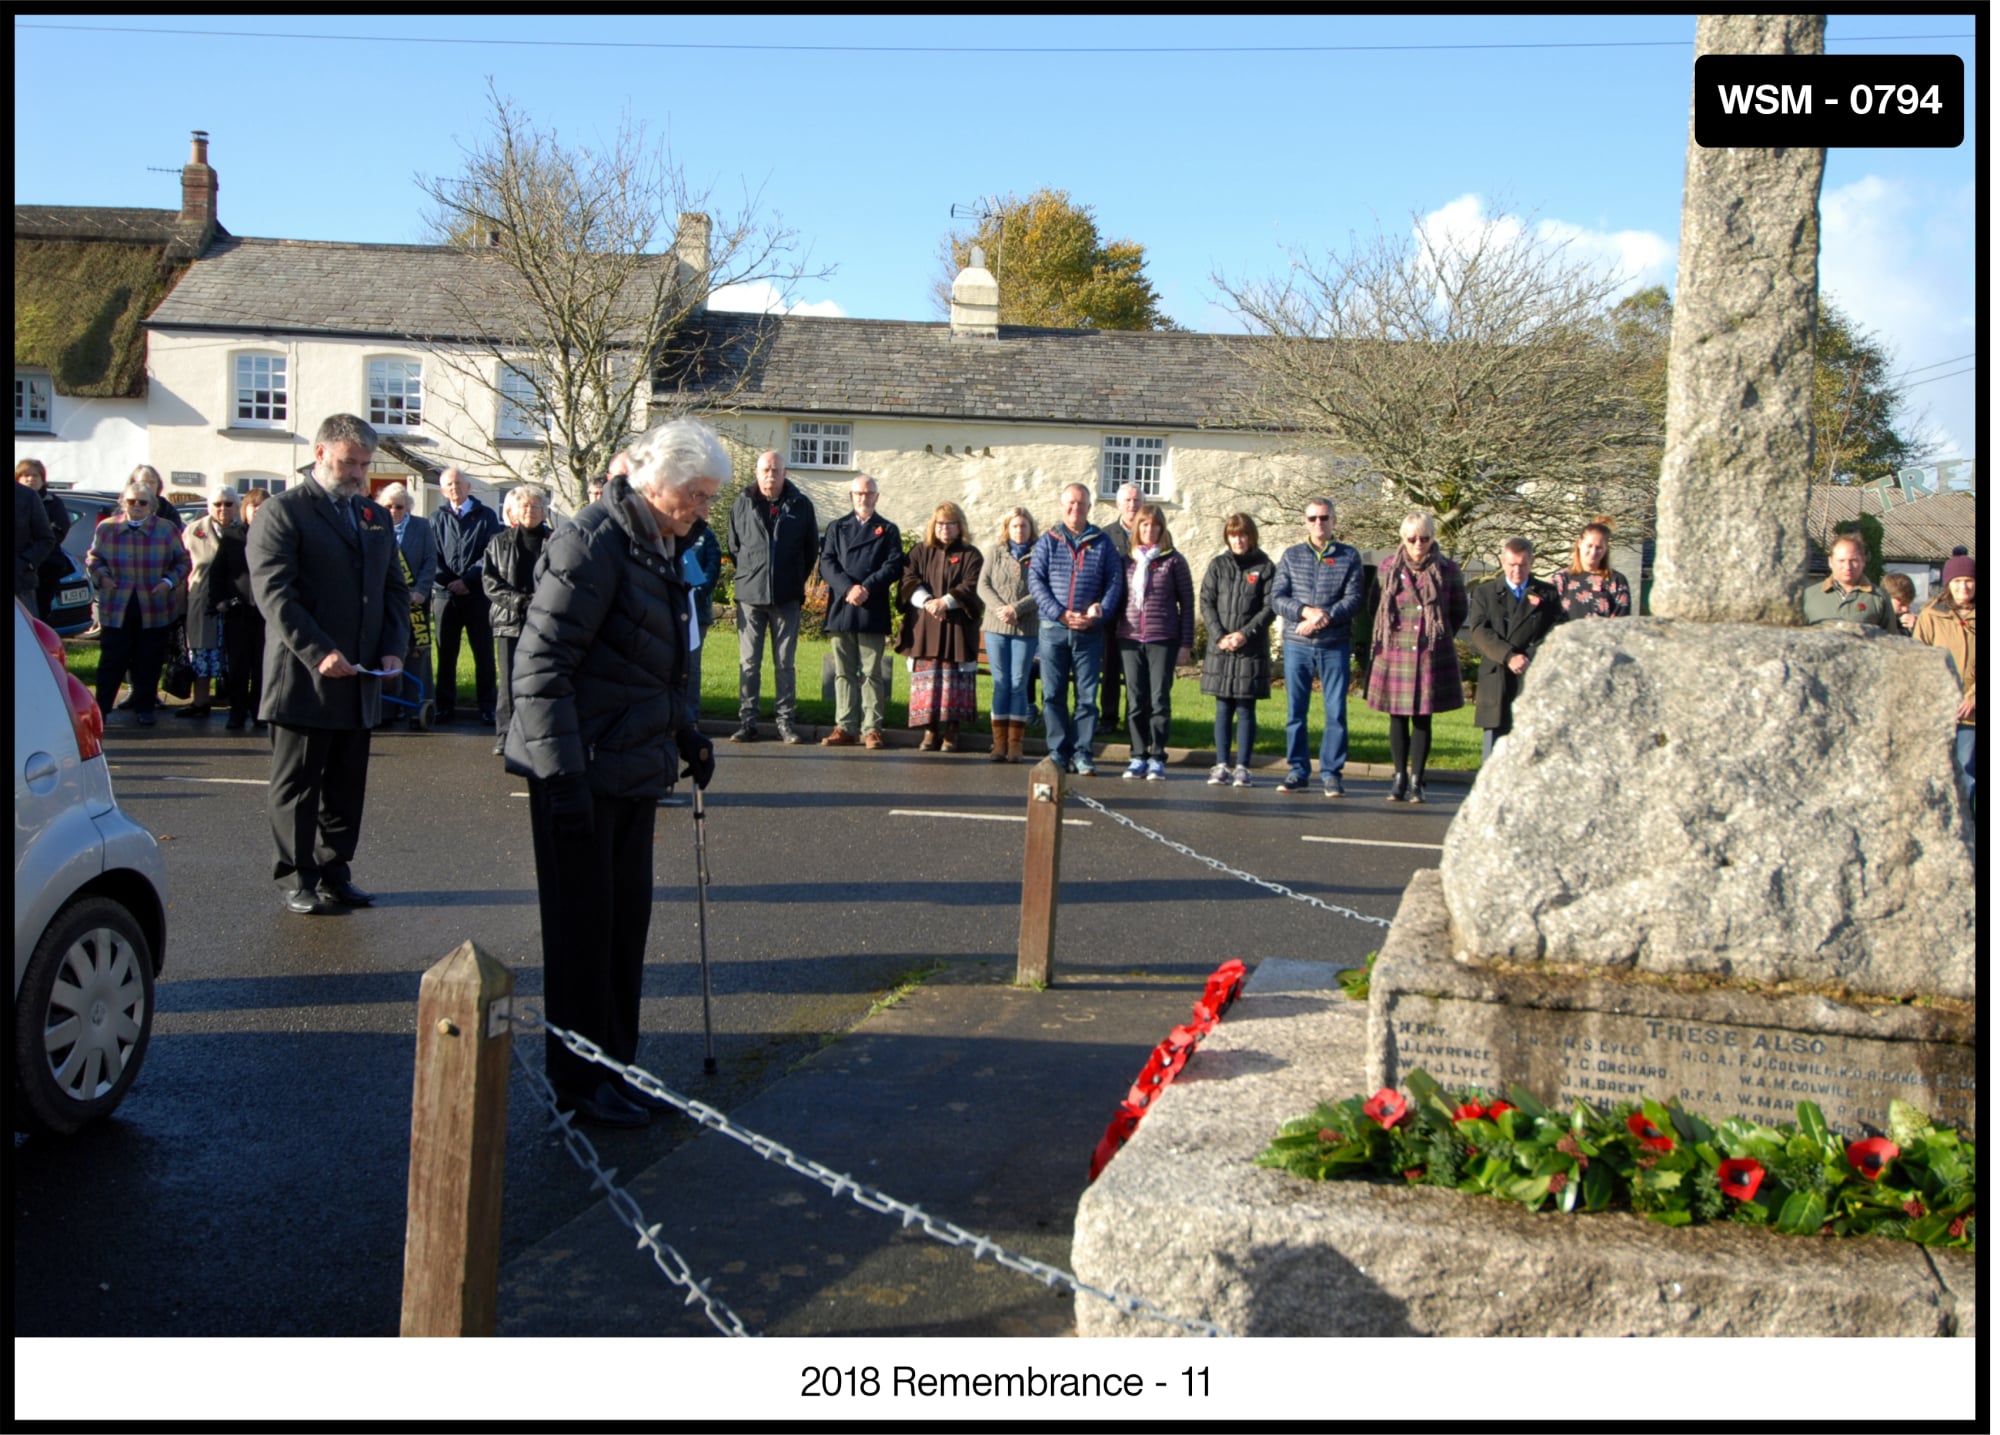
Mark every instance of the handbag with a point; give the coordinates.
(178, 680)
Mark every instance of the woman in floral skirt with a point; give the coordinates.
(941, 629)
(1413, 673)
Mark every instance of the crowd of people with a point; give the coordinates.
(587, 640)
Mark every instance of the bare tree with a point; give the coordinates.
(1474, 375)
(584, 274)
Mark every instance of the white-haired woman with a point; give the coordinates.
(1413, 668)
(600, 728)
(204, 539)
(510, 582)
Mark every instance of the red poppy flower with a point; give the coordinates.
(1957, 1227)
(1330, 1136)
(1386, 1108)
(1872, 1157)
(1557, 1181)
(1471, 1111)
(1740, 1177)
(1914, 1209)
(1415, 1173)
(1493, 1111)
(1250, 577)
(878, 532)
(1648, 1134)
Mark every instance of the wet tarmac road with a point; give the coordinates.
(253, 1181)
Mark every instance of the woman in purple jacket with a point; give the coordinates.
(1155, 627)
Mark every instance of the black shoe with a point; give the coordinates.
(145, 717)
(644, 1100)
(604, 1107)
(236, 724)
(193, 714)
(441, 718)
(339, 889)
(745, 733)
(1400, 789)
(1417, 790)
(486, 716)
(306, 902)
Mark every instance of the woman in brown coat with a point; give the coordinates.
(940, 637)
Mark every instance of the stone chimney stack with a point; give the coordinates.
(198, 185)
(975, 300)
(691, 248)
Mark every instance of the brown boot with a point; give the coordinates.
(930, 739)
(1017, 733)
(1000, 730)
(950, 743)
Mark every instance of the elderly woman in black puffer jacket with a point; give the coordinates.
(510, 582)
(1236, 669)
(600, 729)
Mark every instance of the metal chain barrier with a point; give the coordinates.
(528, 1018)
(1095, 806)
(664, 1256)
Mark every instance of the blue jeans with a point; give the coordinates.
(1009, 657)
(1965, 748)
(1303, 663)
(1067, 654)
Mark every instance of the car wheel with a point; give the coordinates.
(82, 1017)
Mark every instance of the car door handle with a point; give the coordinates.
(41, 772)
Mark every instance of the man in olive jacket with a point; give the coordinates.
(1510, 617)
(774, 542)
(329, 582)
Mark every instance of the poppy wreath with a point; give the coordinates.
(1164, 1062)
(1916, 1182)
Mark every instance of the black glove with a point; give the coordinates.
(699, 754)
(571, 808)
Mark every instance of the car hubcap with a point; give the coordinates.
(95, 1015)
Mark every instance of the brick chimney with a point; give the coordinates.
(198, 185)
(691, 248)
(975, 301)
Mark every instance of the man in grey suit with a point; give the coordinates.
(329, 582)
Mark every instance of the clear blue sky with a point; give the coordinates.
(1217, 142)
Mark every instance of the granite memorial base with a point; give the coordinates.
(1183, 1218)
(1724, 1050)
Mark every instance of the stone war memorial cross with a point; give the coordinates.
(1748, 879)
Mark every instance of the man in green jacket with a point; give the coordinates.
(1848, 596)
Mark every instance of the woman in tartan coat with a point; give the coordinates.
(1413, 667)
(139, 568)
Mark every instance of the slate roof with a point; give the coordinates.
(1924, 530)
(805, 364)
(71, 221)
(301, 286)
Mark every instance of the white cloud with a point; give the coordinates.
(762, 297)
(1897, 256)
(1637, 257)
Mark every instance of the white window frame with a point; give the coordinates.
(518, 419)
(34, 402)
(273, 396)
(1133, 458)
(395, 391)
(816, 443)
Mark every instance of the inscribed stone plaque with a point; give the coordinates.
(1718, 1069)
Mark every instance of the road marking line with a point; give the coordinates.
(1365, 842)
(975, 816)
(176, 777)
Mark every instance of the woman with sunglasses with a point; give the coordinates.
(1414, 670)
(137, 564)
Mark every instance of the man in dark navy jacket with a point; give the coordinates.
(860, 558)
(774, 542)
(463, 527)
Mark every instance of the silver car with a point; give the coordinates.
(90, 909)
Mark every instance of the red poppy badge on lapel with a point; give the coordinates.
(878, 532)
(1251, 577)
(955, 557)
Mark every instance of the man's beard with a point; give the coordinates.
(343, 487)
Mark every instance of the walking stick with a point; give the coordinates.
(701, 927)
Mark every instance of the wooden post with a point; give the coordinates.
(458, 1146)
(1041, 873)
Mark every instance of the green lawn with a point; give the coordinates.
(1454, 740)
